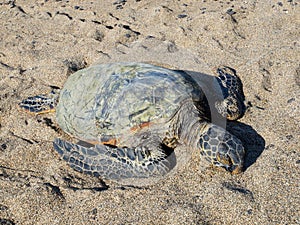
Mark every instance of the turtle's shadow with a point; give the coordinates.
(252, 141)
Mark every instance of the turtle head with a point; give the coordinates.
(232, 103)
(222, 149)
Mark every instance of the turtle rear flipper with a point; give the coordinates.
(41, 103)
(115, 163)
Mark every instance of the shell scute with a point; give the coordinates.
(111, 99)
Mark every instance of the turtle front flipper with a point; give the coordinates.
(41, 103)
(115, 163)
(232, 105)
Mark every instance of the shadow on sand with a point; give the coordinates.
(252, 141)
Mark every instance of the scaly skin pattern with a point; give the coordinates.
(41, 103)
(136, 114)
(115, 163)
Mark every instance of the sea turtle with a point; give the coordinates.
(135, 114)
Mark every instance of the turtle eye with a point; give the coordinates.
(224, 159)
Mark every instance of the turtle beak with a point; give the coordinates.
(235, 169)
(231, 164)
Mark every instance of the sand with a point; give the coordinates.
(43, 42)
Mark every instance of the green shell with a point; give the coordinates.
(110, 99)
